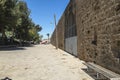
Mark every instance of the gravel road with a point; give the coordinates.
(41, 62)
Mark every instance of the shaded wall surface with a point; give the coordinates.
(60, 34)
(98, 31)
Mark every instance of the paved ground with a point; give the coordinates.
(41, 62)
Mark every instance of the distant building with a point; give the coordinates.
(45, 41)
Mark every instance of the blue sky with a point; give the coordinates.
(42, 13)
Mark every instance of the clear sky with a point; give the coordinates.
(42, 13)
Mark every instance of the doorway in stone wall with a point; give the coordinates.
(70, 32)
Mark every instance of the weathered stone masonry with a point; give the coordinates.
(97, 23)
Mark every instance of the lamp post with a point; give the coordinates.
(56, 32)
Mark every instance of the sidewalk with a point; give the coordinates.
(42, 62)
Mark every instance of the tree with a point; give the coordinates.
(48, 36)
(34, 36)
(22, 30)
(38, 28)
(7, 16)
(14, 17)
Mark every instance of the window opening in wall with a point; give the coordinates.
(70, 30)
(95, 38)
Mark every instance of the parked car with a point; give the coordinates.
(44, 42)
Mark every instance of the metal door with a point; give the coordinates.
(71, 45)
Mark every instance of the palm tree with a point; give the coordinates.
(48, 36)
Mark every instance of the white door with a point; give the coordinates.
(71, 45)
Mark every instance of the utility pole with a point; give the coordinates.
(56, 32)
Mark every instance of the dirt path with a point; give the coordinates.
(41, 62)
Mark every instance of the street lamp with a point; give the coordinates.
(56, 32)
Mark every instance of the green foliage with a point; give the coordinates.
(14, 17)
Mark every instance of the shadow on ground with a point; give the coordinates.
(12, 48)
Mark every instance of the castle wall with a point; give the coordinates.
(98, 31)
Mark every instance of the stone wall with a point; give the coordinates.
(60, 33)
(98, 31)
